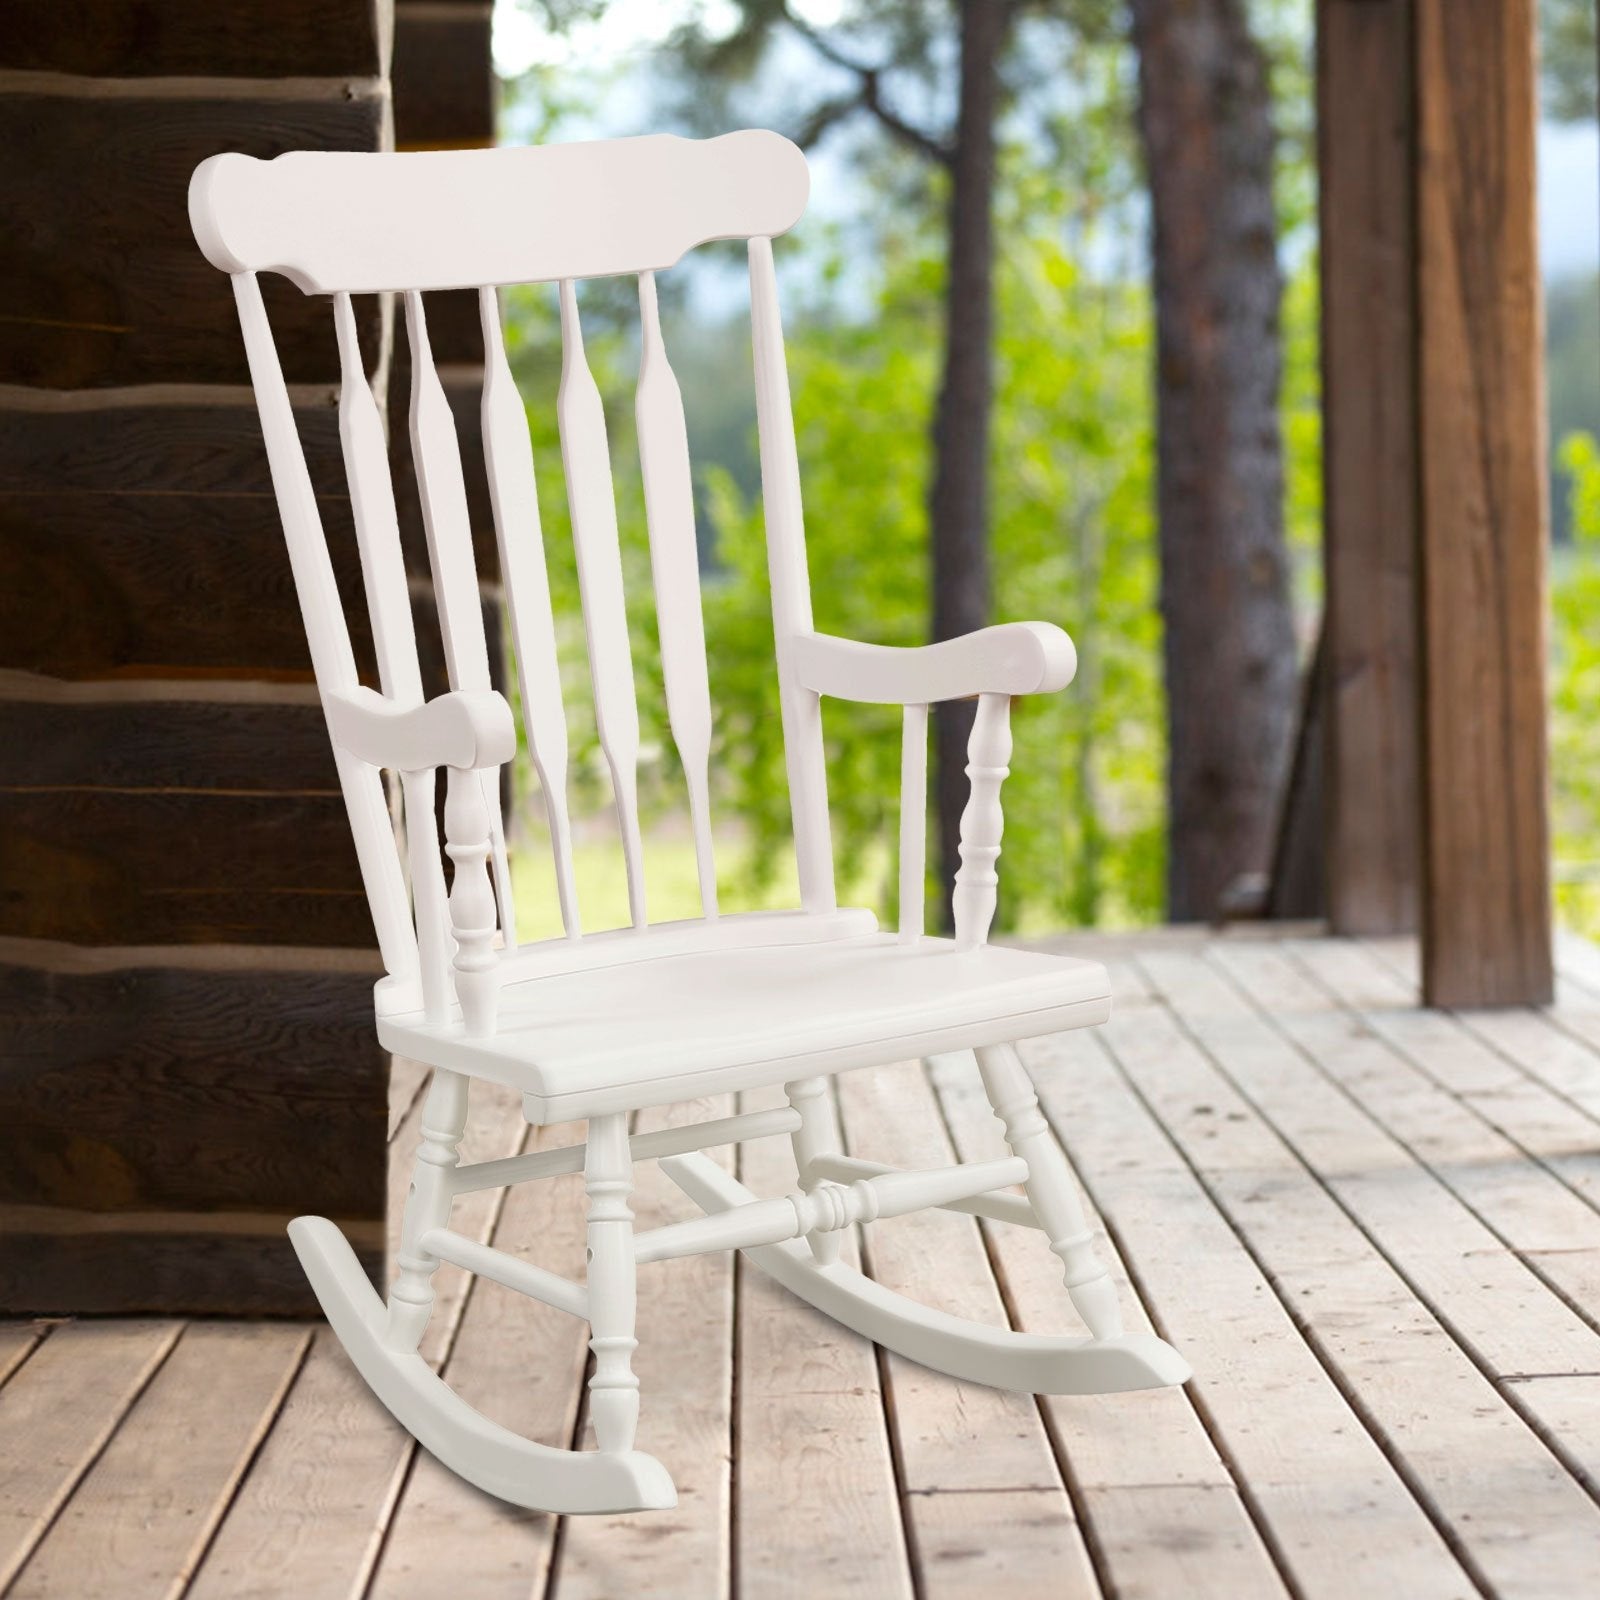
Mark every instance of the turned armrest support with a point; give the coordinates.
(1010, 659)
(465, 729)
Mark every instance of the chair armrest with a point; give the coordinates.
(465, 728)
(1013, 658)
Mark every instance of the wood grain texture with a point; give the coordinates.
(104, 285)
(148, 1506)
(1369, 334)
(194, 38)
(58, 1414)
(160, 1127)
(310, 1517)
(143, 539)
(444, 82)
(1485, 525)
(818, 1507)
(103, 866)
(1280, 1421)
(1249, 1132)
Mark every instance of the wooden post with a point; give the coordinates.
(1483, 512)
(1372, 801)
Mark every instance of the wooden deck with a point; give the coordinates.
(1374, 1230)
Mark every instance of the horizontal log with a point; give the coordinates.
(193, 38)
(102, 866)
(100, 576)
(166, 744)
(158, 1126)
(444, 85)
(99, 273)
(165, 1271)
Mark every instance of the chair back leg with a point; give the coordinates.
(444, 1120)
(608, 1181)
(816, 1136)
(1051, 1187)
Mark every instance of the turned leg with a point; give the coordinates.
(1052, 1188)
(814, 1137)
(608, 1180)
(444, 1119)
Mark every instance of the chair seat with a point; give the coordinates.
(583, 1042)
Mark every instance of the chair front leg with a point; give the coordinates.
(1052, 1188)
(814, 1137)
(444, 1120)
(608, 1181)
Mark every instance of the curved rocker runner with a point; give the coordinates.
(595, 1027)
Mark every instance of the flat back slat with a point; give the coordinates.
(458, 219)
(436, 454)
(332, 659)
(366, 462)
(585, 457)
(508, 454)
(791, 586)
(675, 572)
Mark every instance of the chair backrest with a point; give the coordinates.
(346, 224)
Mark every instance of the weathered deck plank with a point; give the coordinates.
(817, 1507)
(1518, 1520)
(1374, 1231)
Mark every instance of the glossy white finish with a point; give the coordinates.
(1012, 1208)
(508, 460)
(801, 708)
(586, 459)
(674, 1141)
(600, 1026)
(977, 883)
(812, 1102)
(824, 1208)
(581, 1043)
(1011, 658)
(675, 567)
(913, 822)
(999, 1357)
(465, 728)
(457, 219)
(498, 1461)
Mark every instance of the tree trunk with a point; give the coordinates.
(959, 501)
(1205, 120)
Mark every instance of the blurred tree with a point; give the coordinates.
(1568, 57)
(1205, 122)
(885, 47)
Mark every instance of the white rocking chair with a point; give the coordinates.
(598, 1026)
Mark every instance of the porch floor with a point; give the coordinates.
(1373, 1230)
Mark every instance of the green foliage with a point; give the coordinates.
(1072, 513)
(1575, 690)
(1567, 58)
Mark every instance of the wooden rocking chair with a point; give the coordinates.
(597, 1026)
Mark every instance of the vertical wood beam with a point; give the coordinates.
(1365, 140)
(1483, 511)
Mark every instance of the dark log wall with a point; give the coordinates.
(186, 1048)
